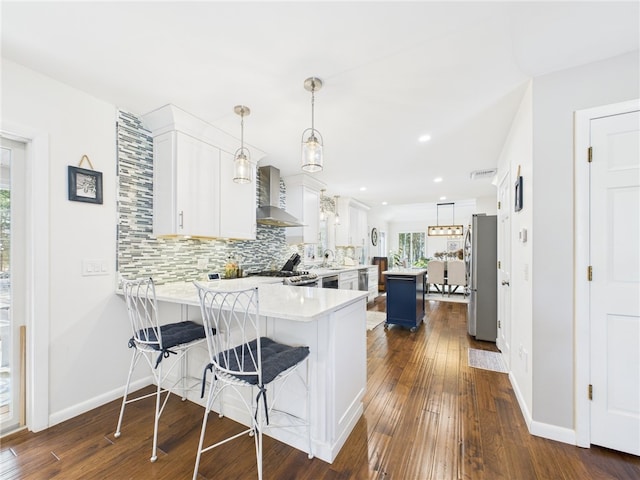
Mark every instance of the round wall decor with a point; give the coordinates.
(374, 236)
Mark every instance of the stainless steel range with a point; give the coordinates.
(290, 275)
(304, 279)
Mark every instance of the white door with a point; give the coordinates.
(504, 271)
(615, 286)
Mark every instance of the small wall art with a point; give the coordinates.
(518, 195)
(85, 185)
(453, 245)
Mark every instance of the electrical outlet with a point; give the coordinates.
(203, 263)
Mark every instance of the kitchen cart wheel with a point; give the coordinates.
(386, 326)
(413, 329)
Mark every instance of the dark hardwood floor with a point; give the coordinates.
(428, 415)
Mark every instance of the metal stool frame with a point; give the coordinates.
(147, 343)
(235, 317)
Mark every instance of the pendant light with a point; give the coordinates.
(323, 212)
(242, 158)
(445, 230)
(328, 207)
(312, 146)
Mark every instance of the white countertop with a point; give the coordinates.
(303, 304)
(406, 271)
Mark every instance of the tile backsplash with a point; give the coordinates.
(140, 254)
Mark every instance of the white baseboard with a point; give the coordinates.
(80, 408)
(539, 429)
(553, 432)
(523, 406)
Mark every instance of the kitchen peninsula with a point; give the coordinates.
(331, 322)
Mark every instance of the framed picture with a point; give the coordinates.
(518, 200)
(85, 185)
(453, 245)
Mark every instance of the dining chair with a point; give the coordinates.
(435, 275)
(457, 276)
(156, 343)
(241, 358)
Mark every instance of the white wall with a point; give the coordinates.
(374, 220)
(415, 219)
(88, 328)
(486, 205)
(518, 152)
(555, 99)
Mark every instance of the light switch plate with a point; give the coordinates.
(93, 267)
(522, 235)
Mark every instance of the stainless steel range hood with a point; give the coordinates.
(268, 212)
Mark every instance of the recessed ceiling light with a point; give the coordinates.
(424, 138)
(384, 203)
(362, 189)
(443, 198)
(437, 179)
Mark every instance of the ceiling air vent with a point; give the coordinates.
(486, 173)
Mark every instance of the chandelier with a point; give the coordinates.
(328, 206)
(445, 230)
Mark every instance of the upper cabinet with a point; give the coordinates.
(185, 200)
(238, 203)
(352, 230)
(194, 193)
(303, 202)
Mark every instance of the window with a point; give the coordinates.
(412, 247)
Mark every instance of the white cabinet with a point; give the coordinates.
(303, 202)
(357, 226)
(352, 230)
(186, 197)
(348, 280)
(237, 203)
(193, 189)
(343, 234)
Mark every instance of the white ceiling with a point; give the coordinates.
(392, 71)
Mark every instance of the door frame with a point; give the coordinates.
(15, 182)
(37, 274)
(581, 302)
(506, 180)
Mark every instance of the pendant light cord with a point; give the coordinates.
(313, 98)
(242, 130)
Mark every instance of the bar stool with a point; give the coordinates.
(243, 359)
(154, 343)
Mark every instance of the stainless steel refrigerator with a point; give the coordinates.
(483, 278)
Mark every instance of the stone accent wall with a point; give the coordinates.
(140, 254)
